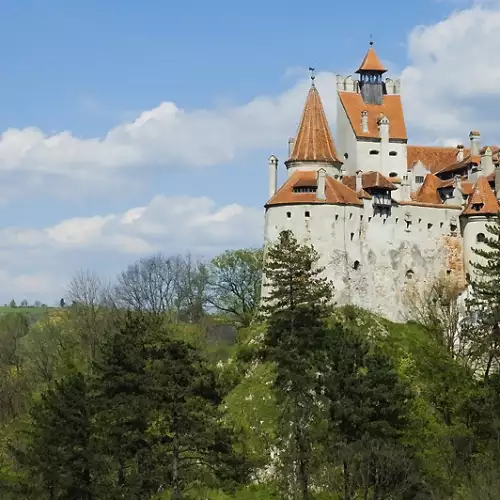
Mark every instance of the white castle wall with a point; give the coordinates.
(373, 261)
(472, 229)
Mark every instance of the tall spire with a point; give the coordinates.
(371, 63)
(314, 140)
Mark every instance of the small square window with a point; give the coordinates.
(307, 213)
(289, 214)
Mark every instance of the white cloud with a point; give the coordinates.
(164, 137)
(452, 85)
(108, 243)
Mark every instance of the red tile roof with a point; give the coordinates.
(371, 62)
(428, 191)
(483, 199)
(335, 192)
(391, 107)
(370, 180)
(314, 140)
(433, 157)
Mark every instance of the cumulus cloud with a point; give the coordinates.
(452, 84)
(164, 137)
(108, 243)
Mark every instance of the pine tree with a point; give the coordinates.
(59, 441)
(297, 305)
(369, 411)
(120, 394)
(189, 442)
(483, 325)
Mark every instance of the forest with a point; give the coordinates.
(176, 381)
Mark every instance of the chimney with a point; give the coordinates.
(364, 121)
(321, 181)
(457, 182)
(291, 144)
(273, 175)
(359, 180)
(406, 186)
(475, 142)
(487, 166)
(460, 153)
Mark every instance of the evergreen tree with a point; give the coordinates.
(297, 306)
(369, 411)
(189, 442)
(59, 441)
(120, 394)
(483, 325)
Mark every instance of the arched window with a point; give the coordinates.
(409, 274)
(356, 265)
(480, 237)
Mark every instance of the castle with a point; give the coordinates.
(384, 215)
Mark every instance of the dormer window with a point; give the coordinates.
(477, 206)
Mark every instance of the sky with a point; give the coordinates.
(130, 128)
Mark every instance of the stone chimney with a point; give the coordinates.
(359, 180)
(291, 144)
(321, 181)
(487, 166)
(460, 153)
(475, 142)
(364, 121)
(273, 175)
(405, 189)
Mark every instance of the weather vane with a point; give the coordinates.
(312, 73)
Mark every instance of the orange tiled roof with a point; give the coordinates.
(370, 180)
(433, 157)
(483, 198)
(363, 195)
(428, 191)
(314, 140)
(391, 107)
(429, 205)
(467, 188)
(461, 165)
(335, 192)
(371, 62)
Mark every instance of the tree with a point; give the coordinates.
(58, 450)
(122, 408)
(483, 304)
(186, 432)
(12, 303)
(297, 306)
(235, 283)
(369, 409)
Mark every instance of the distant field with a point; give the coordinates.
(27, 310)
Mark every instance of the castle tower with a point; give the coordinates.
(371, 129)
(481, 207)
(313, 147)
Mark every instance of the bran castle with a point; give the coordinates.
(386, 217)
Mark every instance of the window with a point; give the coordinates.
(346, 156)
(289, 214)
(352, 236)
(369, 219)
(374, 152)
(480, 238)
(350, 216)
(453, 227)
(360, 218)
(336, 216)
(448, 271)
(393, 174)
(409, 274)
(419, 221)
(304, 189)
(419, 179)
(397, 220)
(408, 224)
(441, 224)
(356, 265)
(393, 153)
(307, 213)
(429, 226)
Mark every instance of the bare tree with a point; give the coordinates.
(150, 284)
(92, 309)
(439, 309)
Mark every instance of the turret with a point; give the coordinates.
(475, 142)
(370, 78)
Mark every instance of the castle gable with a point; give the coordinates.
(391, 108)
(482, 200)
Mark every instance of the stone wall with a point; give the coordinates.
(372, 259)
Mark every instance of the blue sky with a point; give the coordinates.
(85, 68)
